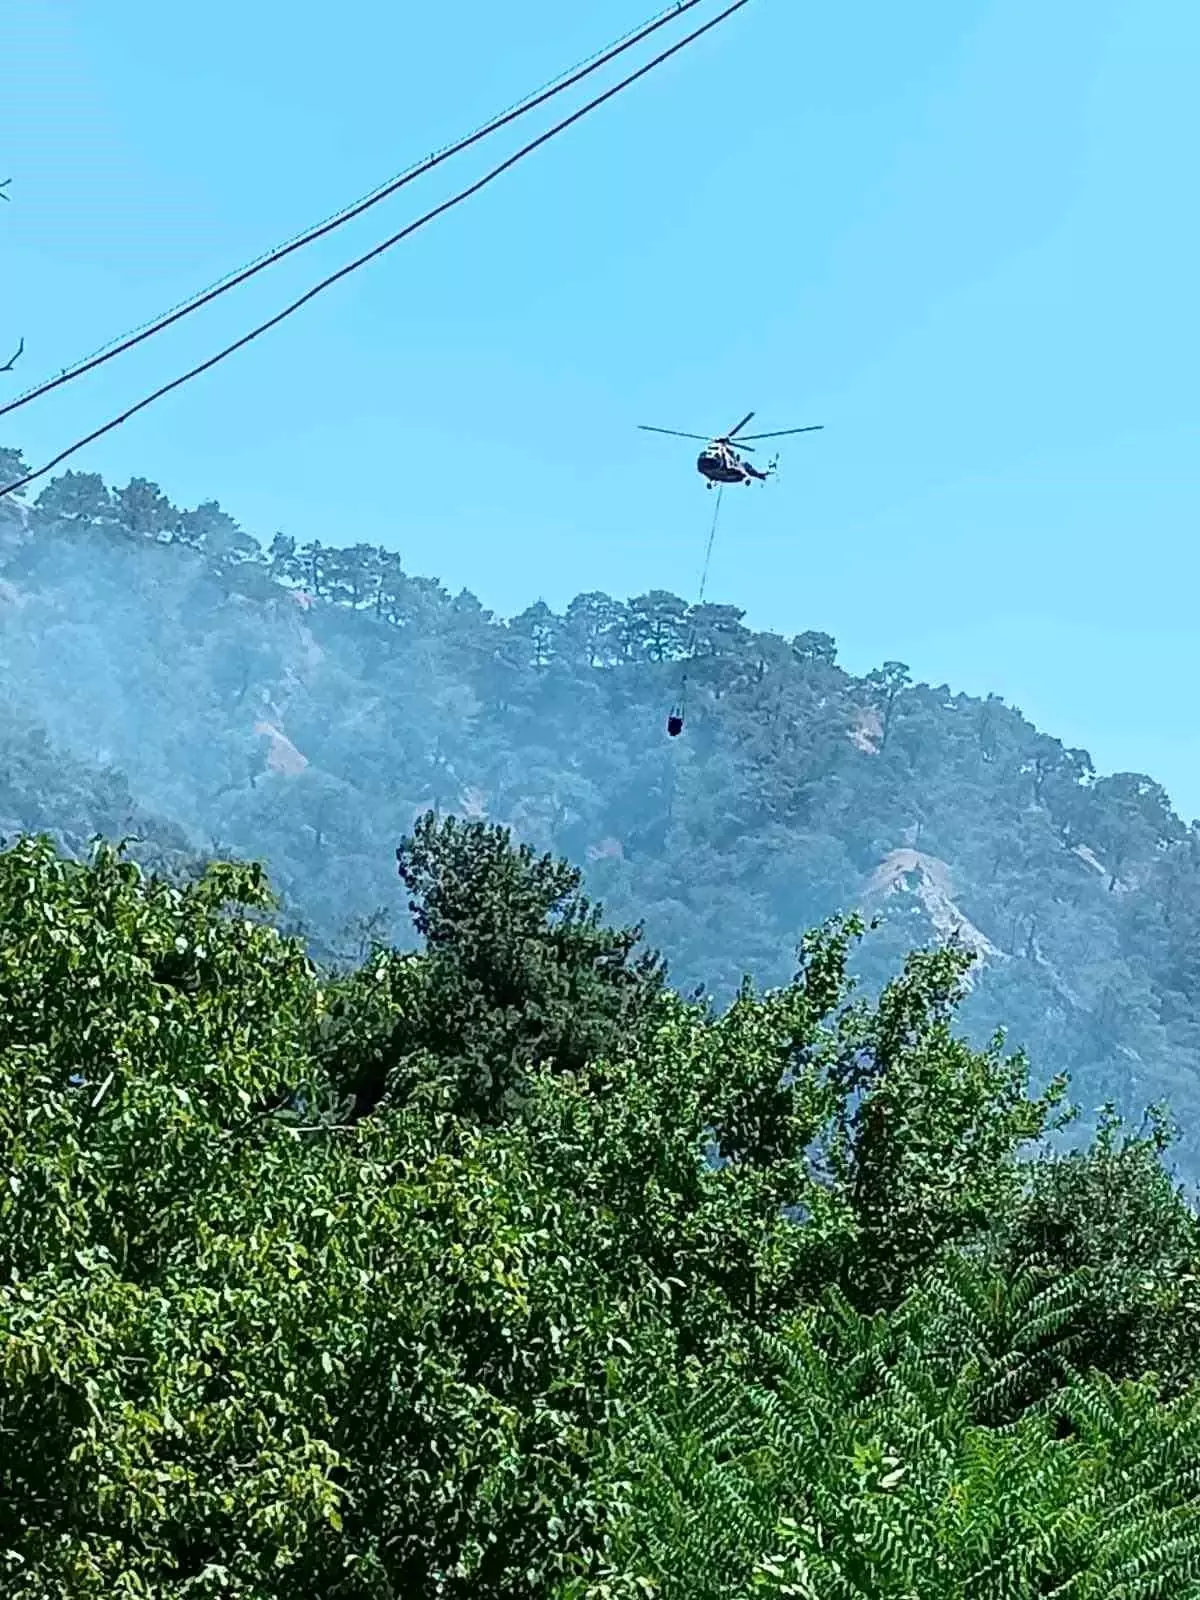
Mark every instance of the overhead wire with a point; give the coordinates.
(531, 102)
(361, 261)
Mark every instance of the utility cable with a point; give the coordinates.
(556, 86)
(360, 261)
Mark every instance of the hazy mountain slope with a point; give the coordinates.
(302, 707)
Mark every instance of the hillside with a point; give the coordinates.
(301, 706)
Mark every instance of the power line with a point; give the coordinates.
(353, 266)
(556, 86)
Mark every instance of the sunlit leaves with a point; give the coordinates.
(716, 1305)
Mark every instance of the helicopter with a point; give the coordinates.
(720, 462)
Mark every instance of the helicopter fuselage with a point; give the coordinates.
(720, 465)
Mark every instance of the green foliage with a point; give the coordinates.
(245, 1348)
(164, 1432)
(12, 467)
(76, 497)
(692, 1151)
(862, 1461)
(519, 969)
(592, 1346)
(926, 1153)
(215, 531)
(1111, 1213)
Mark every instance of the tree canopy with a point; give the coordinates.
(788, 1297)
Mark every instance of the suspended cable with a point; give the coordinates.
(370, 255)
(166, 319)
(678, 712)
(712, 534)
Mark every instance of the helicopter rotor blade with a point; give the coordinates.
(740, 425)
(816, 427)
(674, 432)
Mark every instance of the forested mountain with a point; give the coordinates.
(301, 706)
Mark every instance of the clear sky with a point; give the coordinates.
(963, 234)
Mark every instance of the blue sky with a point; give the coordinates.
(963, 235)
